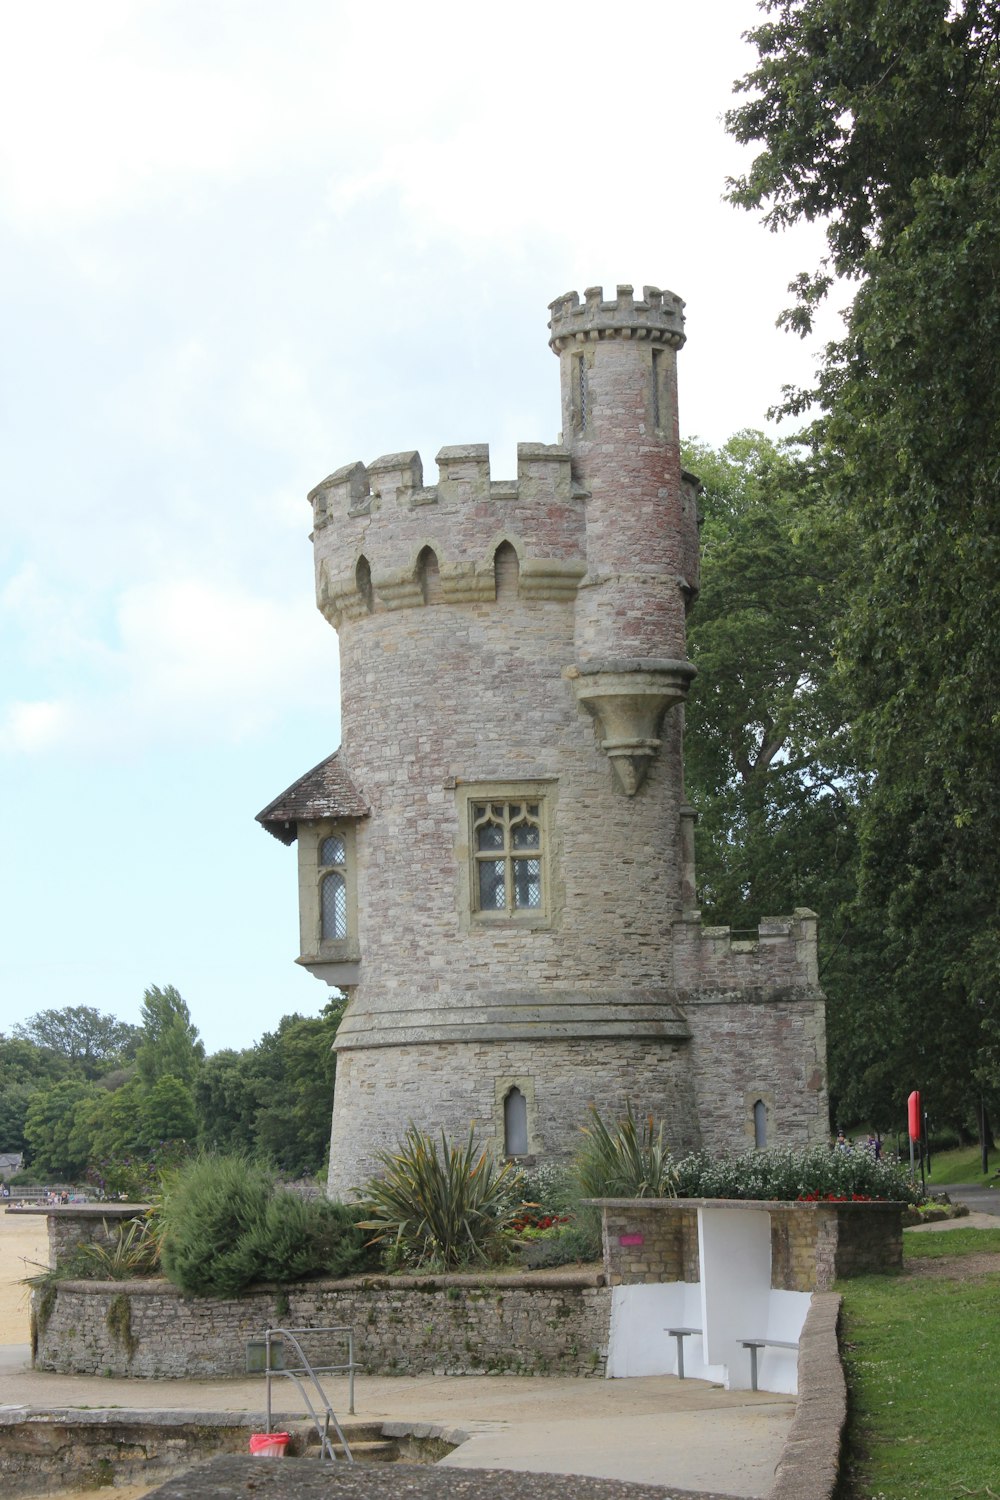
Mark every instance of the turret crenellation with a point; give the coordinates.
(659, 317)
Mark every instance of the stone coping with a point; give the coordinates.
(810, 1461)
(556, 1278)
(767, 1205)
(82, 1210)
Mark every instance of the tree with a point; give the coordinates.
(91, 1042)
(170, 1043)
(229, 1090)
(767, 759)
(167, 1112)
(293, 1126)
(880, 117)
(51, 1129)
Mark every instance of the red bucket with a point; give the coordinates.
(268, 1444)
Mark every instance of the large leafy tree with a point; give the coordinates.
(767, 760)
(882, 119)
(170, 1045)
(91, 1042)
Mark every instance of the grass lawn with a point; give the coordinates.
(921, 1359)
(963, 1165)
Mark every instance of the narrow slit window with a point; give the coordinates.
(515, 1123)
(506, 571)
(580, 392)
(760, 1125)
(429, 576)
(363, 580)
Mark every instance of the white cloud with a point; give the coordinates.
(194, 661)
(29, 727)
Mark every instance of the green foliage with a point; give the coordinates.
(170, 1044)
(92, 1043)
(133, 1250)
(563, 1245)
(224, 1226)
(50, 1128)
(442, 1207)
(208, 1205)
(879, 117)
(167, 1111)
(628, 1160)
(274, 1099)
(818, 1172)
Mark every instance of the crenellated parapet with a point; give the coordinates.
(658, 317)
(384, 540)
(779, 955)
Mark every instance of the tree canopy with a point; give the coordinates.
(880, 118)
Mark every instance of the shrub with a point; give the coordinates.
(224, 1227)
(627, 1161)
(443, 1207)
(563, 1245)
(133, 1250)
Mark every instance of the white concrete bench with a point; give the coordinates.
(754, 1344)
(680, 1334)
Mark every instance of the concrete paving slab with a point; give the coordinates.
(655, 1429)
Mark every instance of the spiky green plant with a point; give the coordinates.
(132, 1250)
(627, 1160)
(428, 1205)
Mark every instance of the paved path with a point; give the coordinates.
(979, 1198)
(686, 1434)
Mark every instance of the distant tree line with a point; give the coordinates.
(86, 1096)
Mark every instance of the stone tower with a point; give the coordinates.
(497, 864)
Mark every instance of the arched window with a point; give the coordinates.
(363, 580)
(506, 571)
(429, 576)
(760, 1124)
(515, 1123)
(332, 887)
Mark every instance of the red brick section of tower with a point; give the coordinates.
(618, 367)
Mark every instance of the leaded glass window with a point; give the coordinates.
(507, 853)
(332, 887)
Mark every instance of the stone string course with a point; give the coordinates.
(554, 1323)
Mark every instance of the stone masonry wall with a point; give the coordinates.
(548, 1323)
(812, 1244)
(458, 1086)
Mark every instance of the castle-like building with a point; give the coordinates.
(497, 865)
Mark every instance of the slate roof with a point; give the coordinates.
(326, 791)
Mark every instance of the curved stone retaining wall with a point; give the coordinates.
(552, 1322)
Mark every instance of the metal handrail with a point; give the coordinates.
(312, 1373)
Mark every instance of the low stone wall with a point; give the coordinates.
(812, 1244)
(553, 1322)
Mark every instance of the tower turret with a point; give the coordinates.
(618, 366)
(516, 937)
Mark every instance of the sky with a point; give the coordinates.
(241, 245)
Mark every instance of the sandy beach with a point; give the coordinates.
(24, 1251)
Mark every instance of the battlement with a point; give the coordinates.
(780, 954)
(659, 318)
(397, 480)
